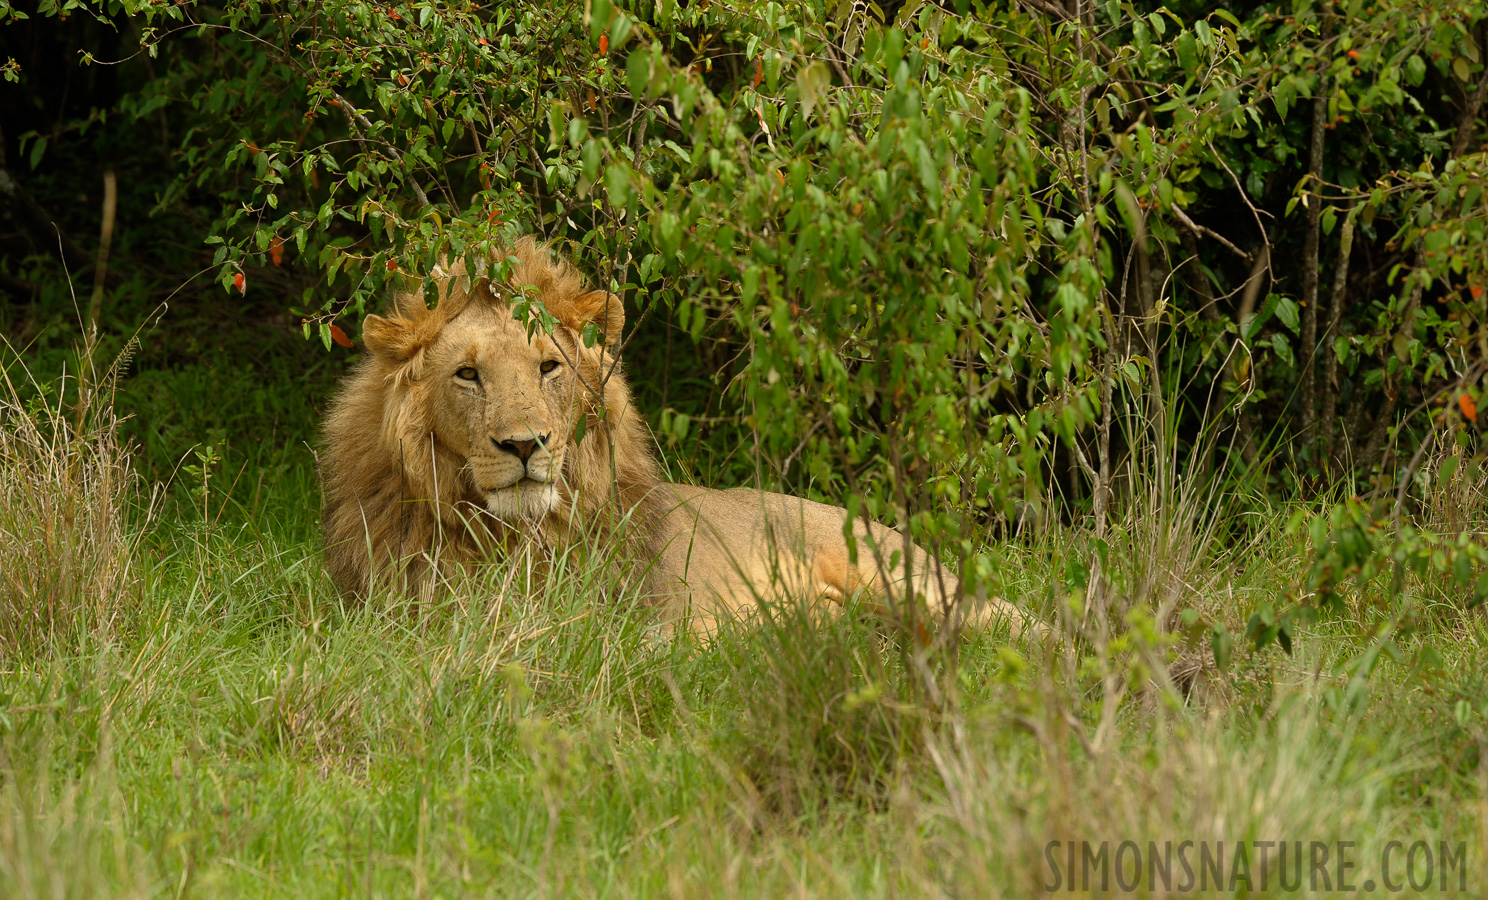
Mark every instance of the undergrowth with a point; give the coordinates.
(67, 555)
(187, 708)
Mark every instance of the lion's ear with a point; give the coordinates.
(392, 339)
(600, 307)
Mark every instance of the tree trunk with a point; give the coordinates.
(1307, 358)
(1330, 358)
(1469, 120)
(1465, 127)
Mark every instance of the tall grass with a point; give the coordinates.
(66, 841)
(66, 556)
(534, 733)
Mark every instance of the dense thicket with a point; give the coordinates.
(953, 262)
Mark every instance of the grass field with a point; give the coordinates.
(188, 709)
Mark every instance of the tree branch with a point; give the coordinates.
(1201, 231)
(1048, 6)
(355, 119)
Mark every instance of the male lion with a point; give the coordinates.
(462, 428)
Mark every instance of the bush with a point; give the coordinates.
(939, 250)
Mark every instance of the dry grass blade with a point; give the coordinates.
(65, 547)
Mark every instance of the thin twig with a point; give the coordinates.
(1201, 231)
(361, 127)
(1048, 6)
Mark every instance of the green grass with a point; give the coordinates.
(234, 730)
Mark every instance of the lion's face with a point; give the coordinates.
(506, 404)
(500, 405)
(454, 406)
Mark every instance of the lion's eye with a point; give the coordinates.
(467, 373)
(548, 366)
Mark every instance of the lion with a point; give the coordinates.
(464, 428)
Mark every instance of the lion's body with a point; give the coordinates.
(722, 551)
(459, 433)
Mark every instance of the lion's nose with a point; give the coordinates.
(522, 450)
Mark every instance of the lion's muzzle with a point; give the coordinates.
(519, 479)
(522, 449)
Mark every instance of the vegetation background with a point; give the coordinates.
(1165, 320)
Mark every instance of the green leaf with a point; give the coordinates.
(593, 155)
(1415, 70)
(1342, 348)
(599, 15)
(1223, 644)
(638, 72)
(811, 86)
(1076, 573)
(1289, 313)
(617, 183)
(1282, 349)
(1448, 468)
(667, 232)
(1188, 52)
(1401, 345)
(750, 288)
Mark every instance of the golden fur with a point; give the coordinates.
(458, 431)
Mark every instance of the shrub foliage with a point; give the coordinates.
(963, 255)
